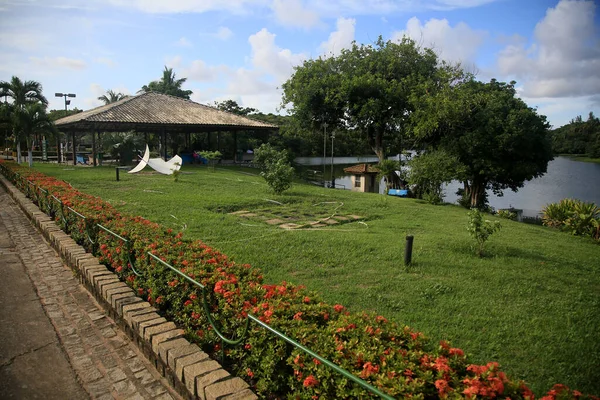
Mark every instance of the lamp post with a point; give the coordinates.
(67, 102)
(332, 178)
(324, 149)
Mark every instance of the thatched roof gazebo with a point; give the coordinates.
(153, 112)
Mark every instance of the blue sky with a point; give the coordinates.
(245, 49)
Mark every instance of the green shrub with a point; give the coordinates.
(507, 214)
(574, 216)
(481, 229)
(275, 167)
(212, 157)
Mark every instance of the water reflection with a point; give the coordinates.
(565, 178)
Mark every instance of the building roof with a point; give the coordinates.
(152, 112)
(362, 169)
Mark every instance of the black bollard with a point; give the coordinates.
(117, 172)
(408, 250)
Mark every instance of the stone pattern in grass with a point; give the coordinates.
(295, 219)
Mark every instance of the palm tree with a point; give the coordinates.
(168, 84)
(22, 93)
(111, 97)
(33, 120)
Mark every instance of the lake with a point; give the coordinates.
(565, 178)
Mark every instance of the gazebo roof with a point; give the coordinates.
(362, 169)
(153, 112)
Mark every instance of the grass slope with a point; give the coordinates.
(532, 304)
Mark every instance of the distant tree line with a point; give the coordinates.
(578, 137)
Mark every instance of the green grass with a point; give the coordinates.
(576, 157)
(532, 304)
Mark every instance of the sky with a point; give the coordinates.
(245, 49)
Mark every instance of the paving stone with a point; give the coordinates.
(192, 371)
(179, 352)
(223, 388)
(210, 378)
(159, 338)
(245, 394)
(164, 347)
(182, 362)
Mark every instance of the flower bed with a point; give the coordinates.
(397, 360)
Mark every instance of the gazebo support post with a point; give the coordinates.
(94, 147)
(235, 160)
(58, 147)
(163, 137)
(74, 148)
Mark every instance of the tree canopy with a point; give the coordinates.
(578, 137)
(232, 106)
(367, 88)
(168, 84)
(499, 141)
(22, 93)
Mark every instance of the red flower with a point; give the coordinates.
(306, 299)
(456, 352)
(310, 381)
(338, 308)
(250, 373)
(442, 387)
(369, 369)
(298, 316)
(187, 303)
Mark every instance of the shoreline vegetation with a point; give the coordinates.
(581, 157)
(534, 287)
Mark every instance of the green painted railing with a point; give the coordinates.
(151, 257)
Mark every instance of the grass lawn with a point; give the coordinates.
(532, 304)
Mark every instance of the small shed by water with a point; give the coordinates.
(364, 178)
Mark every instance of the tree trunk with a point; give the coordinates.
(375, 139)
(18, 151)
(476, 190)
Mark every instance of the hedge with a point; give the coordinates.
(396, 359)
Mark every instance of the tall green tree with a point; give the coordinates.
(111, 97)
(168, 84)
(366, 88)
(499, 141)
(33, 121)
(21, 93)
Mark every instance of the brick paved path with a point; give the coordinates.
(55, 340)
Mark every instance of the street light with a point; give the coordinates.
(67, 102)
(332, 179)
(324, 149)
(65, 95)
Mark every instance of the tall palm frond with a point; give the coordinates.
(111, 97)
(168, 84)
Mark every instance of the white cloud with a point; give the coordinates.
(269, 58)
(455, 44)
(199, 71)
(188, 6)
(341, 38)
(59, 62)
(293, 13)
(106, 61)
(96, 90)
(224, 33)
(564, 60)
(183, 42)
(173, 62)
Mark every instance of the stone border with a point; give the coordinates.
(186, 367)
